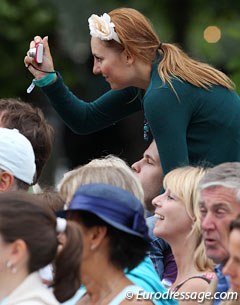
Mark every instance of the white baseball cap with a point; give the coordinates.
(17, 155)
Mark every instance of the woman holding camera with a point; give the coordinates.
(190, 108)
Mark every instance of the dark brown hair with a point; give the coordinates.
(126, 251)
(30, 121)
(23, 216)
(51, 199)
(235, 224)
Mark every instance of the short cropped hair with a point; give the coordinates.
(110, 169)
(30, 121)
(226, 174)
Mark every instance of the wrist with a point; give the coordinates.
(45, 80)
(40, 75)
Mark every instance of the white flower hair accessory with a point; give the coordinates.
(102, 27)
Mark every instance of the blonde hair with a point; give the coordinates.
(183, 182)
(110, 169)
(138, 36)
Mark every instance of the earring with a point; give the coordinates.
(8, 264)
(92, 247)
(11, 267)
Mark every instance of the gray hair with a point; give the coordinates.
(226, 174)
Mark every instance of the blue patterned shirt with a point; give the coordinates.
(223, 283)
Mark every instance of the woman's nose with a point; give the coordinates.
(96, 67)
(157, 201)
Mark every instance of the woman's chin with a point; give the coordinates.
(158, 232)
(117, 86)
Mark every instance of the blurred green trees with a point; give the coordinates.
(19, 22)
(66, 23)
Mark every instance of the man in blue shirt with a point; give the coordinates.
(219, 205)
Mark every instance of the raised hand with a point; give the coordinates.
(42, 69)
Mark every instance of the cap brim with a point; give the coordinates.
(63, 214)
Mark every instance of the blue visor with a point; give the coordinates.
(123, 211)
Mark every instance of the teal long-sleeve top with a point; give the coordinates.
(190, 126)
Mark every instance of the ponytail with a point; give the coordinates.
(177, 64)
(67, 264)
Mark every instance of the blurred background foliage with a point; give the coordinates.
(65, 22)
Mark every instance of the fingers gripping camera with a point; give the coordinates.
(37, 53)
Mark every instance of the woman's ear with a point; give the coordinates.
(18, 256)
(98, 234)
(129, 58)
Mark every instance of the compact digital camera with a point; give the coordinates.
(37, 53)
